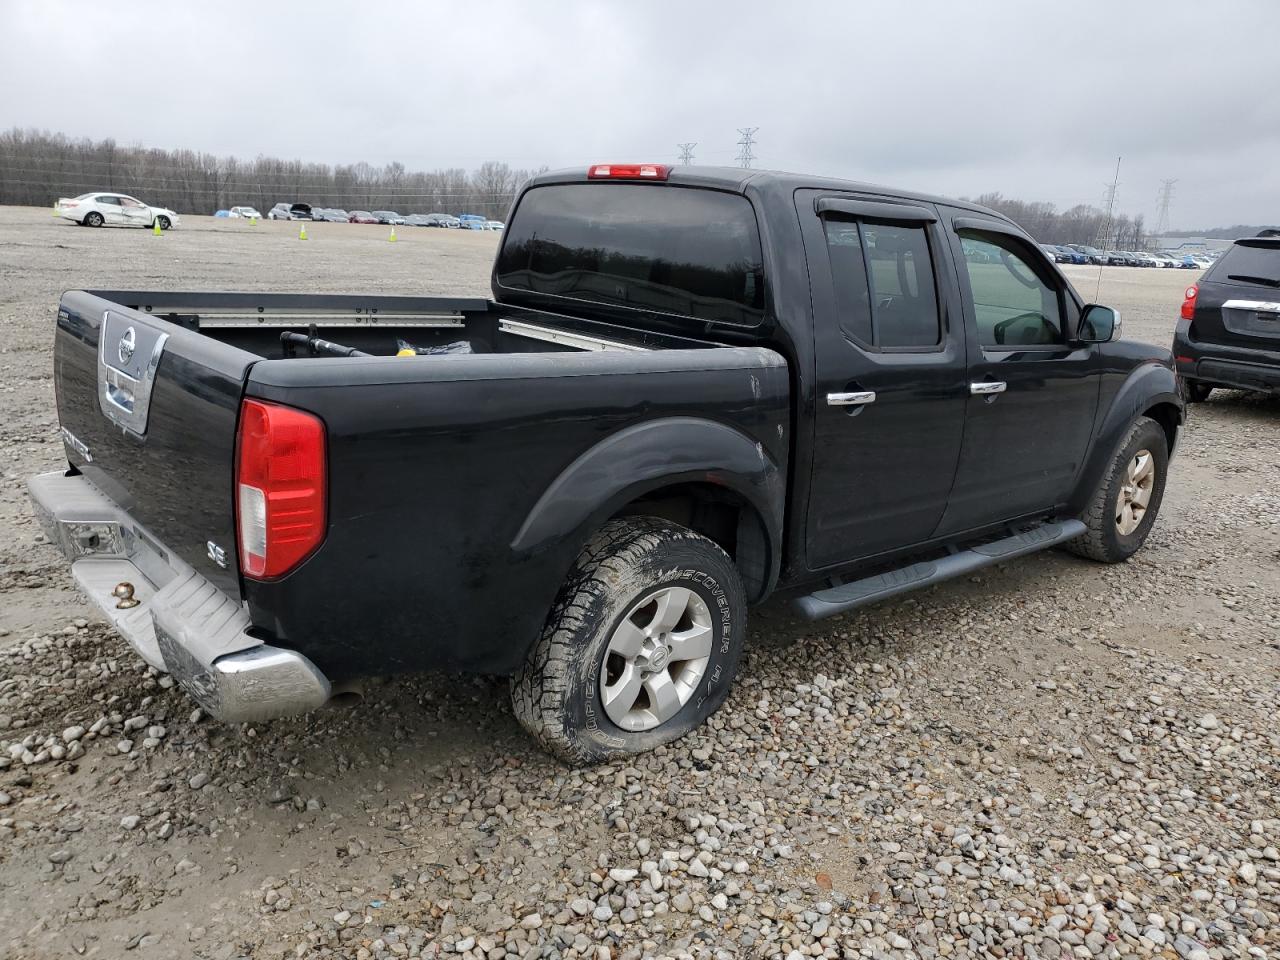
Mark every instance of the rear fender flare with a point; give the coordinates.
(1147, 386)
(646, 457)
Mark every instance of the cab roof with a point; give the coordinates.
(739, 180)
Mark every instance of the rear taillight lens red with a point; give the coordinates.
(628, 171)
(280, 488)
(1189, 302)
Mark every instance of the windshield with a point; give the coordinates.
(641, 247)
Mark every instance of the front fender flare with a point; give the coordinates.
(645, 457)
(1147, 386)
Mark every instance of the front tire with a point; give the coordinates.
(640, 648)
(93, 219)
(164, 223)
(1123, 509)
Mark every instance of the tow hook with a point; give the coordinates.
(123, 593)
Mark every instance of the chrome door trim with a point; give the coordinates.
(856, 398)
(986, 388)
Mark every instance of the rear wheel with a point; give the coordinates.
(1197, 391)
(93, 219)
(1125, 505)
(640, 648)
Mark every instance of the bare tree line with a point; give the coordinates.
(38, 167)
(1083, 223)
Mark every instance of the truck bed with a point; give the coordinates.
(451, 503)
(379, 325)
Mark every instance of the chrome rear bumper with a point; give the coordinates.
(183, 624)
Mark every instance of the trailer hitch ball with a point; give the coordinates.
(123, 593)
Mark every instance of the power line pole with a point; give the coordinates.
(1108, 242)
(1164, 196)
(1109, 198)
(745, 156)
(686, 152)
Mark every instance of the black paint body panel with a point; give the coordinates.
(461, 488)
(176, 480)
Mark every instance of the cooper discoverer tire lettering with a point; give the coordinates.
(652, 611)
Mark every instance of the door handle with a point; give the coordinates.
(985, 388)
(855, 399)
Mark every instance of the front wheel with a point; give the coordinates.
(163, 222)
(640, 648)
(1124, 507)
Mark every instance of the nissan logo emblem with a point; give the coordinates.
(127, 343)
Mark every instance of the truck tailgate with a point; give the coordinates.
(148, 412)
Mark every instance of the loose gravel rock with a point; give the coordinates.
(1051, 759)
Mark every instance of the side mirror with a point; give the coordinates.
(1099, 324)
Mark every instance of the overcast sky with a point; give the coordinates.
(1034, 99)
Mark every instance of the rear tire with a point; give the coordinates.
(1197, 391)
(1124, 507)
(630, 579)
(93, 219)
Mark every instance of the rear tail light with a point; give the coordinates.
(628, 171)
(1189, 302)
(280, 488)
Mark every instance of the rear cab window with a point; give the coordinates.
(682, 252)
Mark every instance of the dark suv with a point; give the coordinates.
(1229, 334)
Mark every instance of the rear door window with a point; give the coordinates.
(883, 279)
(657, 249)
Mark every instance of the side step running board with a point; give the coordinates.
(833, 600)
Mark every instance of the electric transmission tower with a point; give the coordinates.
(1164, 196)
(745, 156)
(686, 152)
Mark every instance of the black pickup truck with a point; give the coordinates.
(693, 387)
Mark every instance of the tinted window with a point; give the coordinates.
(672, 250)
(114, 201)
(849, 279)
(883, 279)
(1256, 262)
(1013, 304)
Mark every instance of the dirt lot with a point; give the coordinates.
(1051, 759)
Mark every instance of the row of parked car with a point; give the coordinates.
(304, 211)
(1082, 253)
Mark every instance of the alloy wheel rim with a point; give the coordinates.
(1135, 492)
(656, 658)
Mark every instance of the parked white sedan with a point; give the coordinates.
(115, 209)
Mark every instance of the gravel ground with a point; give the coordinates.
(1052, 759)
